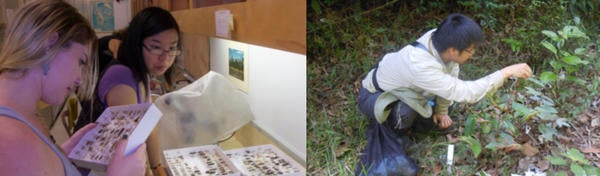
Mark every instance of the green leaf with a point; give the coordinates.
(561, 173)
(571, 69)
(515, 45)
(572, 60)
(547, 108)
(536, 81)
(486, 128)
(556, 160)
(576, 156)
(550, 34)
(549, 46)
(547, 101)
(532, 91)
(562, 35)
(494, 123)
(580, 51)
(591, 169)
(507, 138)
(548, 77)
(546, 112)
(521, 110)
(548, 132)
(316, 7)
(577, 170)
(556, 65)
(509, 125)
(561, 42)
(577, 80)
(482, 172)
(380, 30)
(493, 146)
(473, 144)
(573, 32)
(469, 125)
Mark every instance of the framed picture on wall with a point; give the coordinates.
(237, 64)
(102, 16)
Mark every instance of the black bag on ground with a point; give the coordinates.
(384, 154)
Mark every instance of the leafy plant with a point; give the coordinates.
(576, 162)
(563, 60)
(345, 38)
(474, 145)
(515, 45)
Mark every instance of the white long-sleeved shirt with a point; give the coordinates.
(424, 72)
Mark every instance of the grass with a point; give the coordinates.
(347, 38)
(337, 136)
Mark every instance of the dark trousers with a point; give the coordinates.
(401, 118)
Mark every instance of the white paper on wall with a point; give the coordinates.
(122, 10)
(223, 23)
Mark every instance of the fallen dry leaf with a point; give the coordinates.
(543, 165)
(437, 170)
(564, 139)
(590, 150)
(522, 139)
(331, 113)
(529, 150)
(525, 162)
(512, 147)
(583, 118)
(342, 148)
(596, 122)
(492, 172)
(451, 138)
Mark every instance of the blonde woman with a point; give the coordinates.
(46, 54)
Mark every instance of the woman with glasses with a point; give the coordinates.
(148, 49)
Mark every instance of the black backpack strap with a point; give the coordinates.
(374, 79)
(419, 45)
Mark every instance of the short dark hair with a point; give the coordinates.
(457, 31)
(148, 22)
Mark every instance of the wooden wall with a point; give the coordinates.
(279, 24)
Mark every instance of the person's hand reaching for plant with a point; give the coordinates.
(521, 70)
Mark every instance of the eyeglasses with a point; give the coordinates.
(158, 51)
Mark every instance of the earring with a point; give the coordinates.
(45, 68)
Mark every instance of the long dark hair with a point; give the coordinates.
(149, 21)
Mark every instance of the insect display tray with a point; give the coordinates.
(264, 160)
(97, 146)
(202, 160)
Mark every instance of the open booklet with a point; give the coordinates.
(97, 146)
(211, 160)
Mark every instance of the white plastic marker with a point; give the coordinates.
(450, 157)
